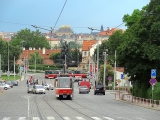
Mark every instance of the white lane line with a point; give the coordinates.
(140, 119)
(66, 118)
(6, 118)
(108, 118)
(80, 118)
(22, 118)
(36, 118)
(96, 118)
(50, 118)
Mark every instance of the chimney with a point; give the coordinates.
(43, 50)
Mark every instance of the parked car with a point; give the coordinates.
(4, 86)
(83, 89)
(30, 88)
(38, 89)
(99, 88)
(15, 83)
(9, 83)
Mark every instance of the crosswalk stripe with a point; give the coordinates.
(108, 118)
(50, 118)
(96, 118)
(36, 118)
(66, 118)
(22, 118)
(6, 118)
(53, 118)
(80, 118)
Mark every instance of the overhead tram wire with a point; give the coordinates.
(55, 23)
(59, 14)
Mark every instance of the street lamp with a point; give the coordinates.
(8, 73)
(21, 44)
(97, 53)
(104, 74)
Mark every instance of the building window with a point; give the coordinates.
(85, 53)
(83, 66)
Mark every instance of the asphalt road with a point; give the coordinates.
(17, 104)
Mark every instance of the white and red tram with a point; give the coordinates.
(64, 86)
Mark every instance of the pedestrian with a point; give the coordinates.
(42, 83)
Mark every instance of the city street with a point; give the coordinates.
(17, 104)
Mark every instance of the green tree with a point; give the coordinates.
(13, 50)
(35, 57)
(33, 39)
(109, 72)
(139, 50)
(56, 58)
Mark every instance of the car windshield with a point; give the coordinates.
(83, 86)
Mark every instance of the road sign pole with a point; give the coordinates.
(152, 96)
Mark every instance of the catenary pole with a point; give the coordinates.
(115, 70)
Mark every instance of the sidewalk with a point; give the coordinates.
(126, 97)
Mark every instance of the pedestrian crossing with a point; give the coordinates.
(53, 118)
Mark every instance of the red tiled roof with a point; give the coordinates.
(87, 44)
(53, 39)
(109, 31)
(120, 69)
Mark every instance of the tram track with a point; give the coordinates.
(75, 109)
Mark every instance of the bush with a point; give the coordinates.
(109, 87)
(156, 92)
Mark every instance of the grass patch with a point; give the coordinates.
(5, 77)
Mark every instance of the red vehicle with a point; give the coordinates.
(64, 86)
(51, 74)
(85, 83)
(78, 75)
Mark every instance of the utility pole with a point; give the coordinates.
(104, 74)
(98, 60)
(35, 63)
(8, 73)
(0, 69)
(14, 68)
(115, 70)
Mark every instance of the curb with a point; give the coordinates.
(137, 104)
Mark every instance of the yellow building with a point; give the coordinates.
(64, 31)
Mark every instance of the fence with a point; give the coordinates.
(137, 100)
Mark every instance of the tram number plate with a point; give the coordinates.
(64, 96)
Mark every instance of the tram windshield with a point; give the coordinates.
(65, 82)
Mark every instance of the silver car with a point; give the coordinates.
(4, 86)
(30, 88)
(38, 89)
(83, 89)
(51, 87)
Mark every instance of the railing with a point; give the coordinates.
(137, 100)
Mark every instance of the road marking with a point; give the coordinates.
(50, 118)
(22, 118)
(66, 118)
(108, 118)
(6, 118)
(80, 118)
(96, 118)
(36, 118)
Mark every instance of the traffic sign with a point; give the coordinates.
(118, 80)
(122, 76)
(153, 73)
(109, 78)
(152, 81)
